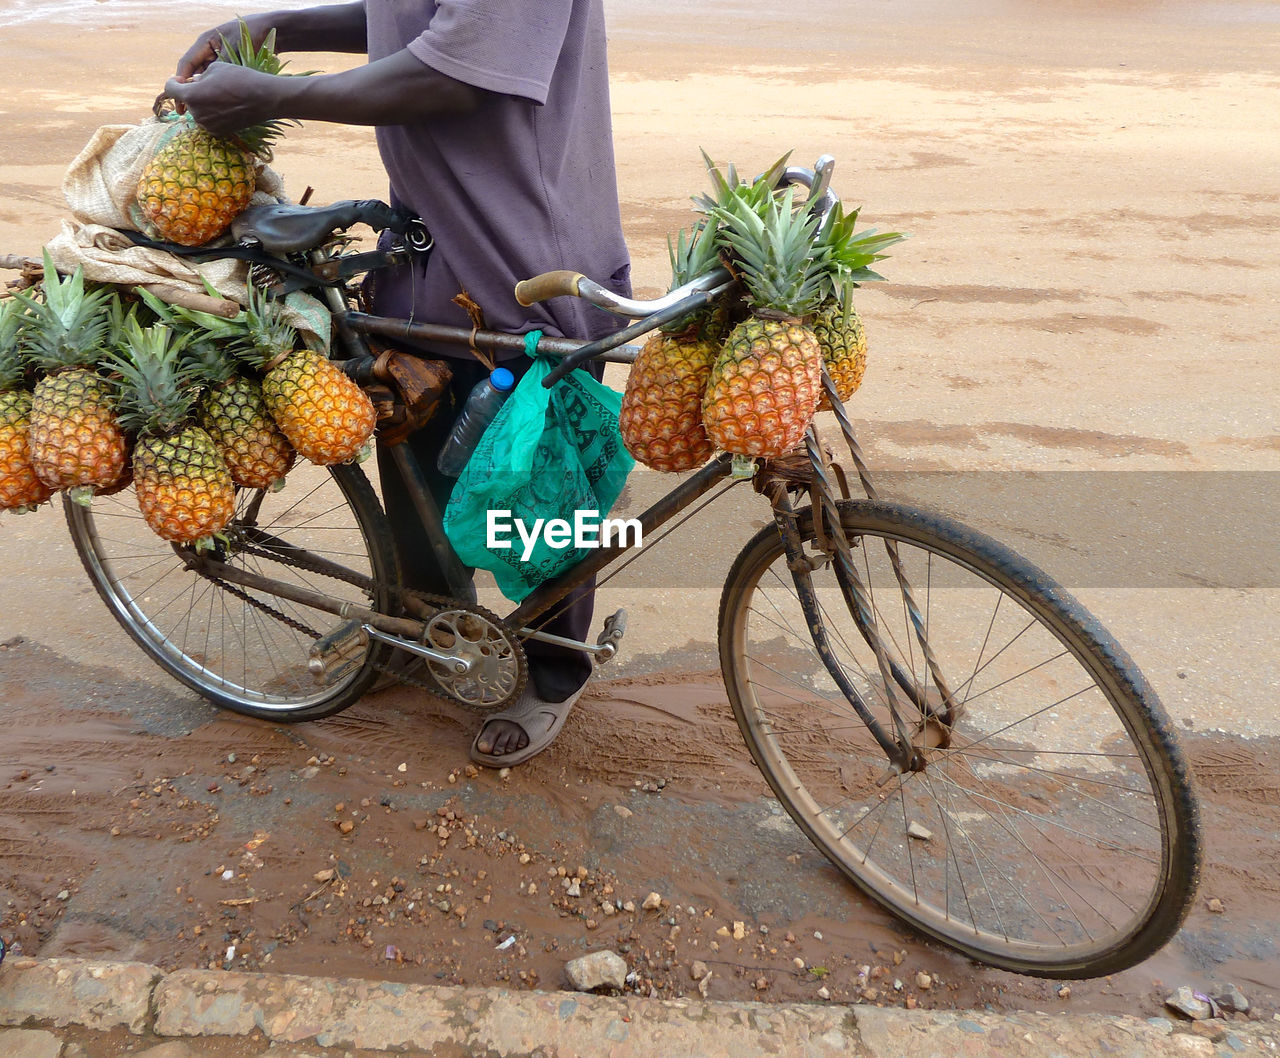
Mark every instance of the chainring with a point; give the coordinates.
(499, 668)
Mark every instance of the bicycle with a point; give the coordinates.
(955, 733)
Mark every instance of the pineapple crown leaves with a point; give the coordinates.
(68, 326)
(155, 389)
(693, 254)
(727, 186)
(784, 272)
(13, 360)
(241, 51)
(210, 339)
(269, 336)
(849, 252)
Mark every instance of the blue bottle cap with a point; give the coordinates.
(502, 379)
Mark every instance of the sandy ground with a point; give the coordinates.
(1075, 351)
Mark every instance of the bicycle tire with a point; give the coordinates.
(1058, 834)
(240, 648)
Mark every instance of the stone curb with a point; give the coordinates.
(387, 1016)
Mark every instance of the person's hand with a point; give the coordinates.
(204, 52)
(225, 99)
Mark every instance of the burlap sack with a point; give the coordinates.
(100, 188)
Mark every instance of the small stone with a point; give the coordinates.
(574, 888)
(739, 931)
(324, 876)
(1232, 999)
(920, 833)
(703, 983)
(698, 969)
(1064, 992)
(798, 963)
(599, 970)
(723, 931)
(1215, 905)
(923, 981)
(524, 858)
(504, 773)
(608, 910)
(629, 906)
(898, 956)
(346, 826)
(402, 767)
(623, 811)
(64, 895)
(762, 984)
(824, 992)
(652, 902)
(1186, 1001)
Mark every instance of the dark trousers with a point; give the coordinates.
(556, 671)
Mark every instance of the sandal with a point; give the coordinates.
(528, 713)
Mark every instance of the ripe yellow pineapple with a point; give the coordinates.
(837, 323)
(20, 488)
(76, 442)
(235, 414)
(231, 408)
(183, 487)
(197, 183)
(764, 386)
(661, 416)
(843, 342)
(325, 415)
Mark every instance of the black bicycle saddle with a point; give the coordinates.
(281, 228)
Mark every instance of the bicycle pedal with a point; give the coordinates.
(615, 627)
(338, 654)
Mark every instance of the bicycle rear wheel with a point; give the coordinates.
(242, 648)
(1055, 834)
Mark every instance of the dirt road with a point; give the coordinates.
(1075, 351)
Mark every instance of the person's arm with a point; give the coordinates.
(397, 90)
(333, 27)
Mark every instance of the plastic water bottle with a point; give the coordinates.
(479, 411)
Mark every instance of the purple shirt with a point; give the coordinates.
(522, 185)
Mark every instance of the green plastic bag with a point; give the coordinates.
(549, 455)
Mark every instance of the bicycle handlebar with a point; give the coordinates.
(567, 283)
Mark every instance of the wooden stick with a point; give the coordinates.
(190, 299)
(20, 264)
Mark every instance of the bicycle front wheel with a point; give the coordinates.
(247, 649)
(1051, 829)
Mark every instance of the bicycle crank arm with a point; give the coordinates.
(459, 665)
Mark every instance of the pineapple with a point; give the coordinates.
(325, 415)
(764, 386)
(235, 415)
(20, 488)
(76, 442)
(197, 183)
(183, 486)
(837, 323)
(231, 409)
(661, 416)
(843, 342)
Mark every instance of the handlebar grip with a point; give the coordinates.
(561, 283)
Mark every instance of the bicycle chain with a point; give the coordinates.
(270, 611)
